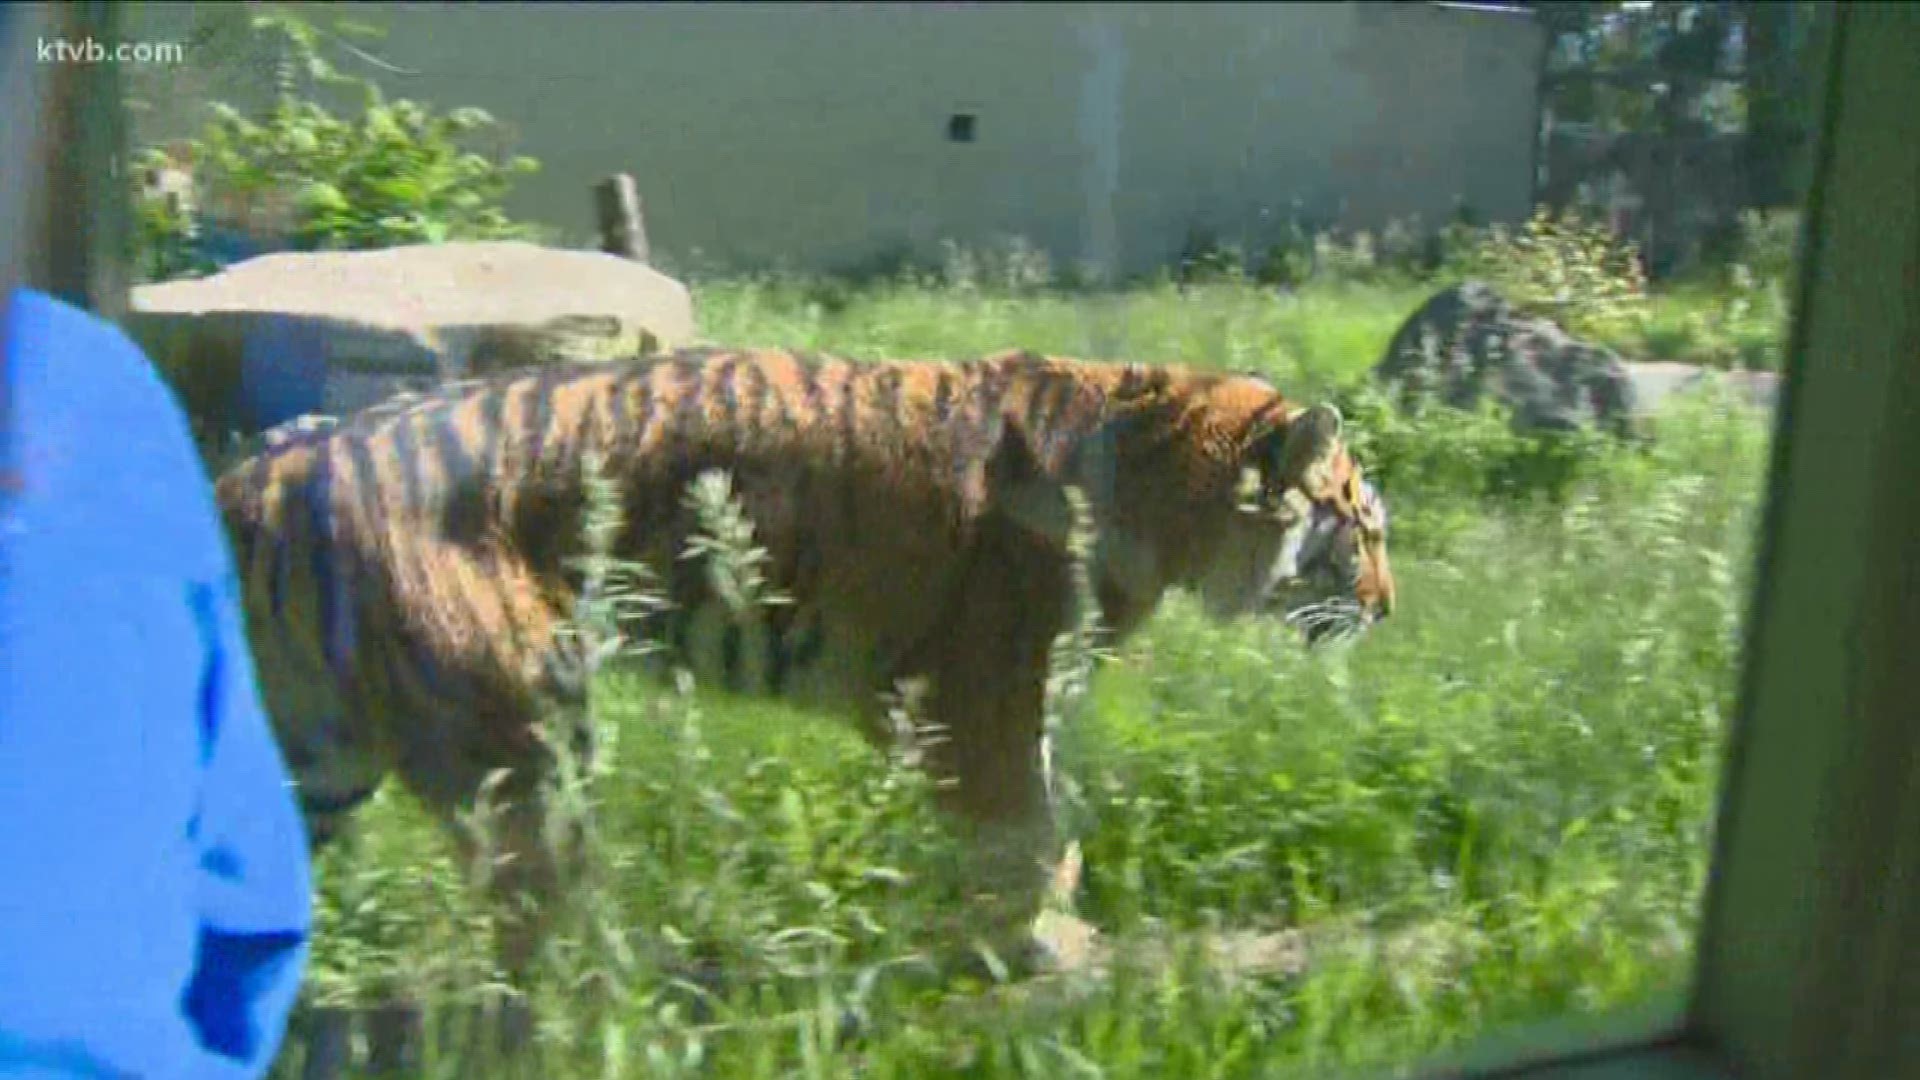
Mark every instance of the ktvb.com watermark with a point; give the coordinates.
(93, 51)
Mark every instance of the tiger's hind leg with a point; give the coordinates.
(479, 746)
(527, 840)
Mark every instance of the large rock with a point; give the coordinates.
(1467, 341)
(284, 335)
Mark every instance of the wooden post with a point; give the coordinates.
(622, 232)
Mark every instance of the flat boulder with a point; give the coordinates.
(1467, 342)
(1657, 381)
(331, 332)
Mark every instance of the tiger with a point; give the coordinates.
(406, 569)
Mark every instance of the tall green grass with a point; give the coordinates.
(1317, 339)
(1492, 809)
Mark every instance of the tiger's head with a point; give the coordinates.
(1306, 535)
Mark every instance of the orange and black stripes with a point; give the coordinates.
(407, 555)
(396, 471)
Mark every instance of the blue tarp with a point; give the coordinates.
(154, 891)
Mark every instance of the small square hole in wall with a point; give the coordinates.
(960, 127)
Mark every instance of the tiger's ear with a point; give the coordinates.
(1308, 446)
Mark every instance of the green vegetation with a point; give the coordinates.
(1493, 809)
(319, 177)
(1727, 313)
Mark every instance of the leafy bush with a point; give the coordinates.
(1567, 268)
(1401, 251)
(397, 173)
(1738, 323)
(1730, 312)
(1439, 466)
(1769, 244)
(1289, 261)
(1205, 257)
(1010, 265)
(166, 222)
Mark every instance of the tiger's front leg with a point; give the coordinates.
(991, 782)
(987, 667)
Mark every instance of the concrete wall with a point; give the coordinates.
(816, 134)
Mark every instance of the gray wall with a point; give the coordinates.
(815, 134)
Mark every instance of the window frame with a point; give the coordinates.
(1815, 883)
(65, 135)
